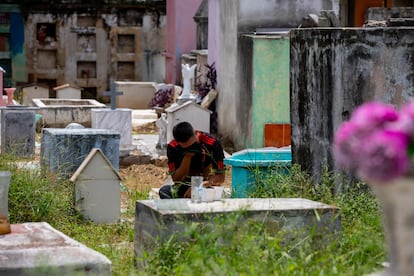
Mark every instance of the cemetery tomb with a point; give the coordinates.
(97, 189)
(189, 111)
(36, 248)
(63, 150)
(18, 130)
(67, 92)
(157, 220)
(250, 166)
(61, 112)
(117, 120)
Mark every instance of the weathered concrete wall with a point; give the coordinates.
(335, 70)
(91, 49)
(236, 17)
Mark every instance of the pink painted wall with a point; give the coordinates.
(181, 35)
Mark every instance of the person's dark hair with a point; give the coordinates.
(183, 131)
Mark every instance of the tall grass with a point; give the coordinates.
(227, 245)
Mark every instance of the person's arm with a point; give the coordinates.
(215, 180)
(184, 169)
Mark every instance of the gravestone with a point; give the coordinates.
(62, 151)
(157, 220)
(66, 91)
(18, 129)
(97, 189)
(120, 120)
(189, 111)
(37, 248)
(113, 93)
(33, 91)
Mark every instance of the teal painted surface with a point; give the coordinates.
(270, 103)
(16, 54)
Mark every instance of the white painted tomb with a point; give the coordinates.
(67, 91)
(97, 189)
(120, 120)
(189, 111)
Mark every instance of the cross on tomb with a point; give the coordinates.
(113, 93)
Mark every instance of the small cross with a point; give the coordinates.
(113, 93)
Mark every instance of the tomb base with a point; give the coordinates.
(39, 249)
(156, 220)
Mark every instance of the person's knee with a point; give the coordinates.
(165, 192)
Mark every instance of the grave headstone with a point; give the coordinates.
(113, 93)
(157, 220)
(62, 151)
(189, 111)
(120, 120)
(33, 91)
(36, 248)
(66, 91)
(18, 129)
(97, 189)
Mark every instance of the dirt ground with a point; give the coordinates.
(143, 176)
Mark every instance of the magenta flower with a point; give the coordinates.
(405, 122)
(374, 142)
(373, 115)
(384, 156)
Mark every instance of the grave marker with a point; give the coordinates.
(113, 93)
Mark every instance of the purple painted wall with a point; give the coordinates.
(181, 35)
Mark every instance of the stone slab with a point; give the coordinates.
(18, 130)
(63, 150)
(39, 249)
(120, 120)
(157, 220)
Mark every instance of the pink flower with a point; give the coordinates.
(384, 156)
(405, 122)
(346, 145)
(374, 115)
(374, 143)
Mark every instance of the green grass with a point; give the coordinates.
(228, 245)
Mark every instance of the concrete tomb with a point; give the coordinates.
(157, 220)
(37, 248)
(18, 130)
(97, 189)
(136, 95)
(189, 111)
(63, 150)
(120, 120)
(67, 92)
(61, 112)
(33, 91)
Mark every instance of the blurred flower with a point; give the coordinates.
(374, 143)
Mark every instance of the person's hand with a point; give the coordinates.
(187, 194)
(189, 154)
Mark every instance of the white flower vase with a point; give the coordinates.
(397, 202)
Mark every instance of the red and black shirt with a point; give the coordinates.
(209, 152)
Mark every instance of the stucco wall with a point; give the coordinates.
(335, 70)
(235, 18)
